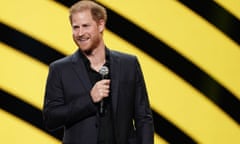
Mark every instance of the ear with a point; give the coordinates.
(101, 25)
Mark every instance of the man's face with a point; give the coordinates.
(86, 32)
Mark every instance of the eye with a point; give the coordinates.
(75, 27)
(86, 25)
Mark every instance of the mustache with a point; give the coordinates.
(82, 37)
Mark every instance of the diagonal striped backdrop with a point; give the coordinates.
(189, 52)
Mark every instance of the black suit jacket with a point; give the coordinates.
(68, 103)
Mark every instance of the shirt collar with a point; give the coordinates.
(87, 62)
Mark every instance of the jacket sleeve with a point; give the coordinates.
(56, 111)
(143, 113)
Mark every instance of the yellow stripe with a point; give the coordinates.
(187, 33)
(17, 131)
(231, 5)
(22, 76)
(159, 140)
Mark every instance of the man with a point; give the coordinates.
(76, 91)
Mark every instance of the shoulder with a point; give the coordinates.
(123, 56)
(128, 61)
(74, 57)
(62, 62)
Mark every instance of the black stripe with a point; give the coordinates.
(170, 132)
(28, 45)
(67, 3)
(26, 112)
(216, 15)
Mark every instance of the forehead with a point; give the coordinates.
(82, 17)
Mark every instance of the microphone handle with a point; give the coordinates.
(101, 111)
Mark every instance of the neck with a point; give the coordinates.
(97, 58)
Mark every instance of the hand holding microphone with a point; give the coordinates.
(101, 89)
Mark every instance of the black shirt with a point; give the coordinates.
(105, 123)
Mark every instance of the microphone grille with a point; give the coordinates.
(104, 70)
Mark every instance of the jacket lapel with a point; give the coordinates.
(79, 68)
(115, 73)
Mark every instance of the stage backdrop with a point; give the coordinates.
(189, 52)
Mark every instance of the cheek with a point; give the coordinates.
(74, 33)
(73, 36)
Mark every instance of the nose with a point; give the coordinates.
(80, 32)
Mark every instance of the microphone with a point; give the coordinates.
(103, 72)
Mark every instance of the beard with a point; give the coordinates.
(90, 46)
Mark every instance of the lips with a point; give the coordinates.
(83, 39)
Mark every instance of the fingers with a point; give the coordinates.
(100, 90)
(103, 88)
(103, 93)
(105, 82)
